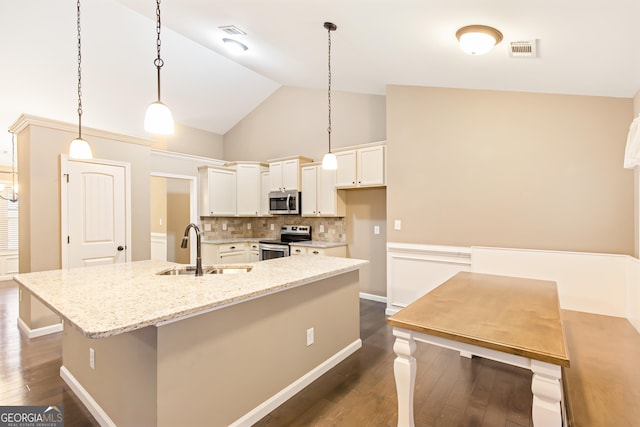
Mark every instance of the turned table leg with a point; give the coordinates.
(404, 368)
(547, 394)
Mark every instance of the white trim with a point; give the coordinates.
(98, 413)
(26, 120)
(288, 392)
(183, 156)
(372, 297)
(38, 332)
(193, 204)
(64, 203)
(438, 250)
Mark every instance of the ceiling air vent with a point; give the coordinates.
(523, 49)
(233, 30)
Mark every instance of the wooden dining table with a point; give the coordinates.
(507, 319)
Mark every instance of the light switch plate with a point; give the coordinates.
(376, 229)
(397, 224)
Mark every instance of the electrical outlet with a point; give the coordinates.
(207, 227)
(248, 226)
(224, 227)
(322, 228)
(309, 336)
(272, 227)
(92, 358)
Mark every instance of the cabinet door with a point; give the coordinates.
(371, 166)
(309, 193)
(291, 174)
(232, 257)
(248, 189)
(222, 192)
(298, 250)
(265, 187)
(326, 196)
(275, 173)
(346, 172)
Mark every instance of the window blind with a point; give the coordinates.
(8, 220)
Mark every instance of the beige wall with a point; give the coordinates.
(520, 170)
(190, 141)
(293, 121)
(178, 217)
(158, 195)
(366, 208)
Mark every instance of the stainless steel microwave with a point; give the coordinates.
(284, 202)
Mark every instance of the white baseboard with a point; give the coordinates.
(98, 413)
(372, 297)
(38, 332)
(288, 392)
(390, 311)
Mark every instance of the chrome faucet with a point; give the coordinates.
(185, 243)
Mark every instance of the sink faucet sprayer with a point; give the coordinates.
(185, 243)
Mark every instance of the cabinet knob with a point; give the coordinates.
(232, 247)
(353, 182)
(316, 252)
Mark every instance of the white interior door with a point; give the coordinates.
(96, 213)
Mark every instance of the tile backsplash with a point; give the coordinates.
(334, 228)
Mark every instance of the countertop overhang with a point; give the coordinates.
(107, 300)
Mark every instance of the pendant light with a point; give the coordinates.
(158, 118)
(329, 160)
(79, 148)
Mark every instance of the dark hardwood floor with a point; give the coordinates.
(450, 390)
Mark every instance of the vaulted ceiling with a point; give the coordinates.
(588, 47)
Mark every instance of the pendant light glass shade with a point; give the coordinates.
(158, 119)
(330, 162)
(79, 149)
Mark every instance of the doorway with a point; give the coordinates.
(173, 207)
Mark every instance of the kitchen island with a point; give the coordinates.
(220, 349)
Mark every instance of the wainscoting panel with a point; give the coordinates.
(413, 270)
(633, 292)
(159, 246)
(590, 282)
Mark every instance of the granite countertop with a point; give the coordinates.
(108, 300)
(319, 244)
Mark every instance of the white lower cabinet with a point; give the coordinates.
(225, 254)
(339, 251)
(254, 252)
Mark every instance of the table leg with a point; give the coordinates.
(404, 368)
(547, 394)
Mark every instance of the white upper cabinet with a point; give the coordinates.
(249, 189)
(265, 186)
(319, 194)
(285, 173)
(217, 195)
(361, 167)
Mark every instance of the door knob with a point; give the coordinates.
(120, 248)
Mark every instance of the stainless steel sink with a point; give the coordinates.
(211, 269)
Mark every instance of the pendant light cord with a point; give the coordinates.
(79, 76)
(158, 62)
(330, 27)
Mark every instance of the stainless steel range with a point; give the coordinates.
(280, 248)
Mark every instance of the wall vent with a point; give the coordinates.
(523, 49)
(233, 30)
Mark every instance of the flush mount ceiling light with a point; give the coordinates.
(158, 118)
(478, 39)
(234, 47)
(79, 148)
(329, 161)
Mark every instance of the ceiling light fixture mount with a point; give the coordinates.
(329, 161)
(158, 118)
(79, 148)
(478, 39)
